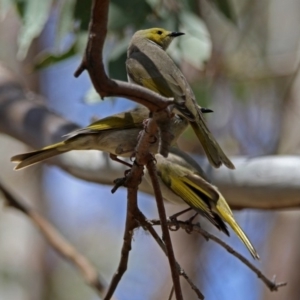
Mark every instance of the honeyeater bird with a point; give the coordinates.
(150, 66)
(116, 134)
(182, 181)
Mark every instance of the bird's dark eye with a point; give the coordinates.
(159, 32)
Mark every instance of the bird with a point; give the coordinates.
(116, 134)
(149, 65)
(182, 181)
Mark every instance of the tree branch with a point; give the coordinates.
(93, 63)
(188, 227)
(59, 243)
(165, 230)
(147, 225)
(269, 182)
(134, 177)
(128, 234)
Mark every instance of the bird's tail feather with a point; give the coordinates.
(228, 218)
(212, 149)
(27, 159)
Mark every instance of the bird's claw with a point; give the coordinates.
(174, 223)
(118, 183)
(189, 224)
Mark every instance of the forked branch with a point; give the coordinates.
(59, 243)
(187, 226)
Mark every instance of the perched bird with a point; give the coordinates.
(116, 134)
(150, 66)
(182, 182)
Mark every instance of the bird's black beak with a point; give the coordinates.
(175, 34)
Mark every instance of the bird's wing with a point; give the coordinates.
(192, 194)
(154, 69)
(163, 83)
(186, 161)
(184, 96)
(201, 187)
(144, 72)
(126, 120)
(199, 195)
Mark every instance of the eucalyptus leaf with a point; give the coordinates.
(119, 48)
(36, 13)
(117, 18)
(226, 8)
(4, 7)
(124, 13)
(196, 52)
(92, 97)
(20, 5)
(196, 45)
(47, 59)
(175, 51)
(203, 92)
(82, 13)
(81, 41)
(66, 21)
(153, 3)
(117, 69)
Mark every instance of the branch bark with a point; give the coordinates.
(189, 228)
(59, 243)
(108, 87)
(131, 224)
(269, 182)
(147, 225)
(93, 63)
(165, 230)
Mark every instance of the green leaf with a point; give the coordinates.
(117, 57)
(92, 97)
(203, 92)
(192, 5)
(240, 90)
(153, 3)
(36, 13)
(116, 67)
(81, 41)
(20, 5)
(225, 7)
(119, 49)
(66, 21)
(127, 13)
(47, 59)
(196, 45)
(4, 7)
(175, 51)
(82, 13)
(117, 18)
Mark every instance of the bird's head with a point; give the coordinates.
(160, 36)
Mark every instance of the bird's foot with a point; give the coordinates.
(174, 226)
(115, 158)
(189, 223)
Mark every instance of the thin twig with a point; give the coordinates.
(59, 243)
(271, 284)
(147, 225)
(131, 181)
(171, 293)
(93, 63)
(128, 234)
(164, 226)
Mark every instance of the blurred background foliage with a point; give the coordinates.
(241, 58)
